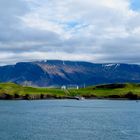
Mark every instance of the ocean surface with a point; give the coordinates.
(70, 120)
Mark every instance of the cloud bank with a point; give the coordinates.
(102, 31)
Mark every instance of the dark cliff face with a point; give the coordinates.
(57, 73)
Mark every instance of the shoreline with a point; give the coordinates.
(11, 91)
(68, 98)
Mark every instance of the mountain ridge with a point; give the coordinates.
(58, 73)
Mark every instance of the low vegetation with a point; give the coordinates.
(111, 91)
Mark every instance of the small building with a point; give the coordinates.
(63, 87)
(70, 87)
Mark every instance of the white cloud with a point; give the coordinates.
(98, 31)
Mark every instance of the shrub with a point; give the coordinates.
(26, 97)
(114, 96)
(41, 96)
(110, 86)
(16, 96)
(130, 95)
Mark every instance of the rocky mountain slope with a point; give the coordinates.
(58, 73)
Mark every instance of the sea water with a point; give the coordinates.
(70, 120)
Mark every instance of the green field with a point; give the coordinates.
(11, 90)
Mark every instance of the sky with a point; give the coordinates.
(103, 31)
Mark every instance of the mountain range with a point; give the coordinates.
(57, 73)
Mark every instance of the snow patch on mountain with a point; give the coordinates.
(111, 65)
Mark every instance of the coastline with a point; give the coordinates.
(29, 97)
(11, 91)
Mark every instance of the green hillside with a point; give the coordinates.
(14, 91)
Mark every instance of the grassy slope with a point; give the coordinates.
(105, 92)
(11, 89)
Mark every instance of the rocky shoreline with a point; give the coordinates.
(4, 96)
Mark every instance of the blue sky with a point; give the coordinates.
(104, 31)
(135, 4)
